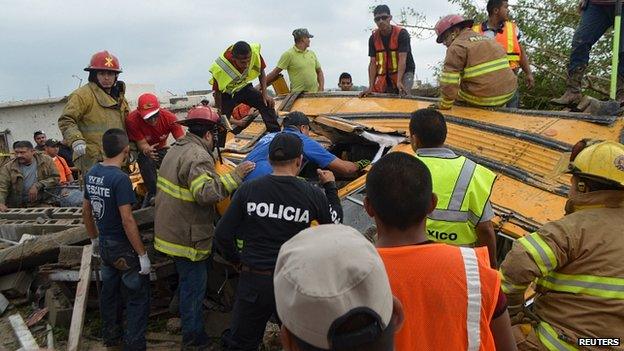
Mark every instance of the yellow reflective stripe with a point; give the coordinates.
(380, 63)
(541, 253)
(489, 101)
(240, 243)
(174, 190)
(450, 77)
(549, 338)
(395, 63)
(509, 288)
(228, 182)
(605, 287)
(446, 103)
(180, 250)
(198, 182)
(510, 36)
(486, 67)
(513, 57)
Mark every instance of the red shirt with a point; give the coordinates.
(228, 56)
(138, 129)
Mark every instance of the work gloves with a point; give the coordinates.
(145, 263)
(518, 312)
(361, 164)
(80, 148)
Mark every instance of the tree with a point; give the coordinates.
(547, 28)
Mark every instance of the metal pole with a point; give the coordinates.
(616, 47)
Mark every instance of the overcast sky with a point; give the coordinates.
(172, 43)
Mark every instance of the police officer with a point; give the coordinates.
(463, 213)
(264, 214)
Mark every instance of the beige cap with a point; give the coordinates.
(323, 273)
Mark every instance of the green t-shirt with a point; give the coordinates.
(301, 67)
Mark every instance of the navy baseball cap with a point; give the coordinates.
(285, 147)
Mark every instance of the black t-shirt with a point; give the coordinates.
(267, 211)
(404, 46)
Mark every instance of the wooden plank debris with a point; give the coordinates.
(50, 337)
(80, 304)
(46, 247)
(26, 340)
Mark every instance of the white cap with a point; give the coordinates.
(322, 274)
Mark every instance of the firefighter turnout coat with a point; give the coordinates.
(188, 190)
(579, 268)
(476, 70)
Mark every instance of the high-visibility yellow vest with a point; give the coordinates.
(463, 189)
(228, 77)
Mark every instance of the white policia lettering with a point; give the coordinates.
(287, 213)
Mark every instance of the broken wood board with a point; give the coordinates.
(46, 247)
(80, 304)
(26, 340)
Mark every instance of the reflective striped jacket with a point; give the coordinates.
(476, 70)
(578, 265)
(188, 190)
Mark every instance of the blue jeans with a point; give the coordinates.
(193, 277)
(120, 278)
(595, 20)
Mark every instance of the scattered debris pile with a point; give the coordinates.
(49, 284)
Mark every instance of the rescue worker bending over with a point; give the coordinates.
(463, 214)
(232, 74)
(476, 69)
(93, 109)
(298, 124)
(391, 68)
(185, 214)
(576, 260)
(24, 179)
(150, 126)
(264, 214)
(452, 287)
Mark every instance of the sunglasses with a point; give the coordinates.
(381, 18)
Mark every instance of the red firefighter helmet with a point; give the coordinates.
(104, 61)
(450, 21)
(201, 114)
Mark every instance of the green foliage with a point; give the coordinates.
(547, 28)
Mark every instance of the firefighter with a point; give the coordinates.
(93, 109)
(188, 190)
(476, 69)
(577, 260)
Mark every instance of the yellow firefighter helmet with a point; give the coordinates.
(601, 161)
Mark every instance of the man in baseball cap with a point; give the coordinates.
(304, 69)
(298, 124)
(263, 215)
(329, 300)
(150, 126)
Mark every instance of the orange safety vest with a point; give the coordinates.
(387, 59)
(453, 286)
(508, 39)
